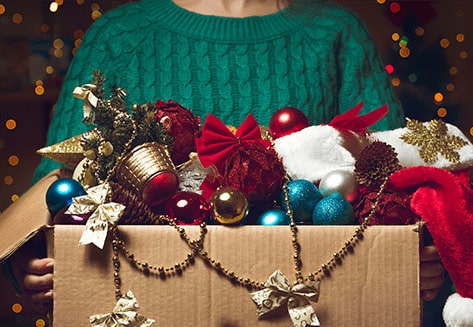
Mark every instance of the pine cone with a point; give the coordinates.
(376, 163)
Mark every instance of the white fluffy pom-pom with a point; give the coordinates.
(458, 311)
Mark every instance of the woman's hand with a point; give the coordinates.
(432, 272)
(35, 276)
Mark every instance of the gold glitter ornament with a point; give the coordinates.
(68, 152)
(432, 140)
(230, 206)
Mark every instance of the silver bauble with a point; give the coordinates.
(340, 181)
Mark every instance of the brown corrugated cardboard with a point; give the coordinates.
(376, 285)
(23, 219)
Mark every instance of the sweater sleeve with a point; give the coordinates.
(363, 76)
(68, 112)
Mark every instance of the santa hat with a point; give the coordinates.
(444, 200)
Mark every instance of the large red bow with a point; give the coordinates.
(217, 142)
(358, 124)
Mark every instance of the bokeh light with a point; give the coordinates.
(2, 9)
(10, 124)
(444, 43)
(441, 112)
(460, 37)
(16, 307)
(8, 180)
(13, 160)
(17, 18)
(438, 97)
(394, 7)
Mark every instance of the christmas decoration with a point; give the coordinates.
(188, 208)
(192, 174)
(116, 130)
(273, 217)
(103, 213)
(340, 181)
(123, 314)
(303, 196)
(376, 163)
(230, 206)
(217, 142)
(149, 171)
(68, 152)
(254, 170)
(287, 120)
(182, 125)
(278, 292)
(333, 209)
(393, 207)
(59, 195)
(433, 140)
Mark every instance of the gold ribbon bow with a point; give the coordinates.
(124, 314)
(85, 92)
(279, 291)
(96, 227)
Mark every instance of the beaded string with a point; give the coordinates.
(197, 248)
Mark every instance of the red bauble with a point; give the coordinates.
(287, 120)
(160, 187)
(188, 208)
(254, 170)
(182, 125)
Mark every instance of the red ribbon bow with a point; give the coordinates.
(217, 142)
(358, 124)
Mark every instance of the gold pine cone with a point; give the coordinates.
(376, 163)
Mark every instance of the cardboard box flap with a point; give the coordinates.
(22, 220)
(377, 283)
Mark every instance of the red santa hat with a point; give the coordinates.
(444, 200)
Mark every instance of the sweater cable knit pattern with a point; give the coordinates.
(313, 55)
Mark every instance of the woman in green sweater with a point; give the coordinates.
(312, 55)
(229, 58)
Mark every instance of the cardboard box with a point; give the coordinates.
(376, 285)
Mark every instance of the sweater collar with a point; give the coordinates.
(234, 30)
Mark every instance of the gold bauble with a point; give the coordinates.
(229, 206)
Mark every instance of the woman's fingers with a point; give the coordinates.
(38, 283)
(432, 273)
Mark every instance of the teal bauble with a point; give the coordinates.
(303, 196)
(60, 193)
(273, 217)
(333, 210)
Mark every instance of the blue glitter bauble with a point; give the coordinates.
(333, 210)
(60, 193)
(273, 217)
(303, 196)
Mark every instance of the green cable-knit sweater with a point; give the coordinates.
(313, 55)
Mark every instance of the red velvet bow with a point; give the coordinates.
(217, 142)
(359, 124)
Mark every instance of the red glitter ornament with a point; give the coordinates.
(393, 207)
(287, 120)
(188, 208)
(182, 125)
(254, 170)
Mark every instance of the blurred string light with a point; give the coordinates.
(401, 45)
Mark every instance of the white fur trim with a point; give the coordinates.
(313, 152)
(458, 311)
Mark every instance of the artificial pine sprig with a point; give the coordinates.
(114, 126)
